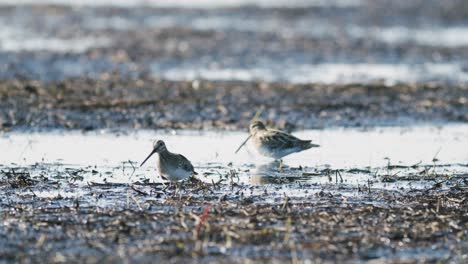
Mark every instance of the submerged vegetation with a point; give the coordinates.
(287, 218)
(62, 220)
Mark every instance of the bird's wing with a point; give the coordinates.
(186, 164)
(280, 139)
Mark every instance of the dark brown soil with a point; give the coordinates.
(226, 222)
(49, 216)
(150, 103)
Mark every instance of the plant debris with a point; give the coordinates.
(231, 221)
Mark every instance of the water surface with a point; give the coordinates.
(360, 155)
(250, 40)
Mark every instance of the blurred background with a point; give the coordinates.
(87, 86)
(295, 41)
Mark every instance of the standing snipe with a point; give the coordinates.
(275, 143)
(171, 166)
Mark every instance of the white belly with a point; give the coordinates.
(276, 153)
(177, 175)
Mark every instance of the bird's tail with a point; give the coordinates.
(307, 144)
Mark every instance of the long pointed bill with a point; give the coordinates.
(243, 143)
(257, 114)
(151, 154)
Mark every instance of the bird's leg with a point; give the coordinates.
(182, 186)
(166, 186)
(280, 169)
(170, 186)
(173, 186)
(178, 189)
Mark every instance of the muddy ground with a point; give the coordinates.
(114, 102)
(223, 220)
(88, 68)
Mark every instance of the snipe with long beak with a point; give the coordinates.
(171, 166)
(275, 143)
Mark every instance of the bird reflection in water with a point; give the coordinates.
(268, 173)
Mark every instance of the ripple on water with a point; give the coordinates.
(394, 158)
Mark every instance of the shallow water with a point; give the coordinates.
(360, 155)
(325, 42)
(91, 184)
(194, 4)
(387, 193)
(345, 147)
(328, 73)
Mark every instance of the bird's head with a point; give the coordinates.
(256, 126)
(158, 147)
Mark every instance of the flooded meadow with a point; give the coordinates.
(87, 87)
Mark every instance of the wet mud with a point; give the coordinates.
(118, 103)
(59, 217)
(372, 64)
